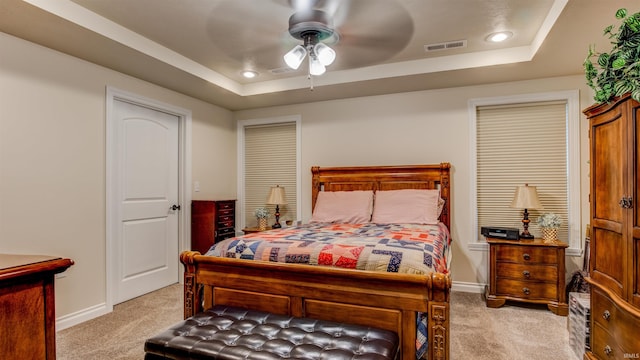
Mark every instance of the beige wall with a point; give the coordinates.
(416, 128)
(52, 154)
(52, 160)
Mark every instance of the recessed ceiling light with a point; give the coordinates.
(249, 74)
(499, 36)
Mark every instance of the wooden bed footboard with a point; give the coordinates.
(384, 300)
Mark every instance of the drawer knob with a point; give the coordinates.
(526, 291)
(606, 315)
(526, 274)
(526, 256)
(607, 350)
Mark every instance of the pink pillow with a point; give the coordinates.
(406, 207)
(347, 207)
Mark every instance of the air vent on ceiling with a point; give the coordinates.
(281, 70)
(446, 45)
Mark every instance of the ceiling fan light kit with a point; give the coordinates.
(311, 27)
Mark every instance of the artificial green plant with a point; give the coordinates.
(618, 71)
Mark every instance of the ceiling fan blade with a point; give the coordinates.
(363, 42)
(270, 23)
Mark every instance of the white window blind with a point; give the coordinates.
(269, 160)
(521, 144)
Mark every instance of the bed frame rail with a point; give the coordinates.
(383, 300)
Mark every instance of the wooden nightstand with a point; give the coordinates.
(251, 230)
(527, 270)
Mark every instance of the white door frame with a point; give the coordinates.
(184, 178)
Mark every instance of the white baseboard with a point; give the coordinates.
(468, 287)
(67, 321)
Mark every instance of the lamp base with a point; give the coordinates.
(525, 225)
(277, 224)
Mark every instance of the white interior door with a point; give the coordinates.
(146, 236)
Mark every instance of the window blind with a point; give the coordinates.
(521, 144)
(270, 160)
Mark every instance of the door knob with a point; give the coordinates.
(175, 207)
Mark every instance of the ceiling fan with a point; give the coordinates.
(346, 26)
(312, 26)
(268, 29)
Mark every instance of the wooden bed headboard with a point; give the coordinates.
(384, 178)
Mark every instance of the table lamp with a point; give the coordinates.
(526, 197)
(277, 198)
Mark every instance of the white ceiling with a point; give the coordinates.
(200, 47)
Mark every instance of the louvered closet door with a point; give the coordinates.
(608, 162)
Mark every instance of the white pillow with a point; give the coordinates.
(409, 206)
(347, 207)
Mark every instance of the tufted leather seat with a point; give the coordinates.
(225, 332)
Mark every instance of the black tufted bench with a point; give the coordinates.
(225, 332)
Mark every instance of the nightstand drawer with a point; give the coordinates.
(526, 290)
(547, 273)
(526, 254)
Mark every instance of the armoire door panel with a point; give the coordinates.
(607, 159)
(608, 259)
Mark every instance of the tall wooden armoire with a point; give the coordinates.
(614, 269)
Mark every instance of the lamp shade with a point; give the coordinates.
(277, 196)
(294, 57)
(325, 54)
(526, 197)
(316, 67)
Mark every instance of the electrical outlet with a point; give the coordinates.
(196, 186)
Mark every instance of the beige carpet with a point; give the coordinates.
(477, 332)
(120, 334)
(509, 332)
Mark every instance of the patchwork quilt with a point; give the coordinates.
(404, 248)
